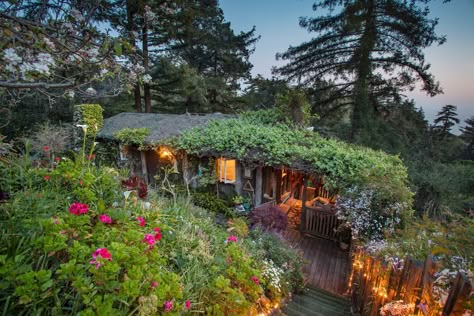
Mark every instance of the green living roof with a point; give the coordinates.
(277, 144)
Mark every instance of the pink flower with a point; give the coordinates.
(100, 252)
(141, 221)
(232, 239)
(168, 306)
(255, 279)
(78, 208)
(153, 285)
(149, 239)
(105, 219)
(187, 304)
(46, 148)
(158, 234)
(56, 222)
(46, 177)
(57, 159)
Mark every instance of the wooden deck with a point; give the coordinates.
(327, 266)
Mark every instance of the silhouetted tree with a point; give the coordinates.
(445, 120)
(369, 50)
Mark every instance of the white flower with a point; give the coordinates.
(11, 56)
(91, 91)
(83, 126)
(147, 78)
(69, 94)
(93, 53)
(77, 15)
(126, 194)
(49, 43)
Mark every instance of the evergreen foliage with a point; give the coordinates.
(368, 51)
(446, 119)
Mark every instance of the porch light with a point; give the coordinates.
(165, 153)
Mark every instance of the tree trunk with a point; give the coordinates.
(131, 38)
(363, 116)
(146, 86)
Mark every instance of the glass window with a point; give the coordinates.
(226, 170)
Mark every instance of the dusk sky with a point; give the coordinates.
(452, 63)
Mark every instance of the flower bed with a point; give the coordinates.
(74, 243)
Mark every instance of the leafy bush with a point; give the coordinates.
(276, 252)
(368, 215)
(211, 202)
(269, 217)
(132, 136)
(135, 183)
(71, 244)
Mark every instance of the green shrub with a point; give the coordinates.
(211, 203)
(61, 257)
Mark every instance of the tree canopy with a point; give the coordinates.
(369, 51)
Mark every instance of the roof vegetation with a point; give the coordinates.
(264, 138)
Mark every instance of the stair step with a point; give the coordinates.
(313, 301)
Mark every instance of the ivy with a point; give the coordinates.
(132, 136)
(90, 115)
(276, 144)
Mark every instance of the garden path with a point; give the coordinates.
(327, 266)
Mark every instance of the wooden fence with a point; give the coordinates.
(375, 283)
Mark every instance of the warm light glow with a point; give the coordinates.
(165, 153)
(226, 170)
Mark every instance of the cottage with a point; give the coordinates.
(299, 191)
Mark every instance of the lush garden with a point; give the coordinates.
(76, 240)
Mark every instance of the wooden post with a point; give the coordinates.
(144, 170)
(459, 293)
(258, 186)
(278, 186)
(238, 177)
(303, 205)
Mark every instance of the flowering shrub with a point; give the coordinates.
(137, 184)
(368, 216)
(83, 248)
(78, 208)
(396, 308)
(105, 219)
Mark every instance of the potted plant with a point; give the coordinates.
(238, 200)
(344, 235)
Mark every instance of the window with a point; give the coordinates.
(123, 152)
(226, 170)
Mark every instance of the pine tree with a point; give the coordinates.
(446, 119)
(369, 51)
(468, 136)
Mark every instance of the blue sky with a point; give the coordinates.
(452, 63)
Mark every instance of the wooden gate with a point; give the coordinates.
(321, 223)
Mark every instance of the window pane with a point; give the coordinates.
(230, 170)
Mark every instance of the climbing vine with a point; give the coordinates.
(132, 136)
(277, 144)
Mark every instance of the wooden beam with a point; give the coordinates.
(144, 169)
(303, 204)
(278, 186)
(238, 177)
(258, 186)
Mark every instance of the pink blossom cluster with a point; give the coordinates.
(141, 221)
(232, 239)
(102, 253)
(105, 219)
(151, 239)
(78, 208)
